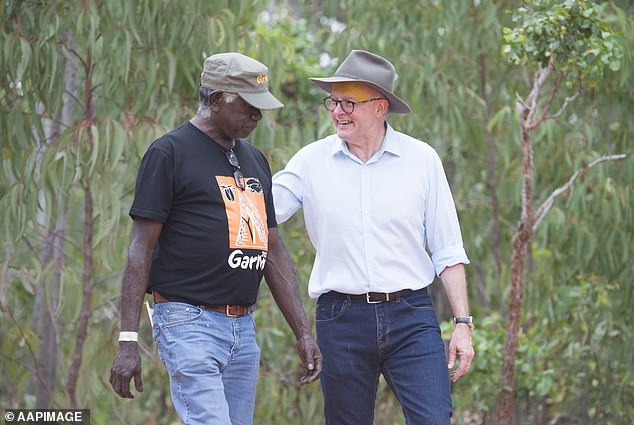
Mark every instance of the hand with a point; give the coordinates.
(460, 345)
(126, 364)
(311, 359)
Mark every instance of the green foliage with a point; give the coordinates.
(573, 34)
(95, 83)
(574, 358)
(576, 329)
(572, 352)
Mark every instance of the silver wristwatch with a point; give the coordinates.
(468, 320)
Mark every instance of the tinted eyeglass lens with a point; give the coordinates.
(237, 174)
(346, 105)
(239, 178)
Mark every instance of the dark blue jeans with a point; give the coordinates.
(400, 339)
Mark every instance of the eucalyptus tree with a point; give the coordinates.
(85, 87)
(571, 44)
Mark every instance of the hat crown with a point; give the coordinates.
(371, 69)
(237, 73)
(362, 65)
(234, 71)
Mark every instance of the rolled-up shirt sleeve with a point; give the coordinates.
(442, 228)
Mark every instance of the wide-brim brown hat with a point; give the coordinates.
(237, 73)
(366, 67)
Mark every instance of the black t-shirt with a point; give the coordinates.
(213, 245)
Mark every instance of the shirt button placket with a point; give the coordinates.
(366, 217)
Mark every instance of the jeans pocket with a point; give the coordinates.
(330, 309)
(418, 302)
(179, 313)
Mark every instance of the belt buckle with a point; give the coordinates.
(369, 301)
(228, 313)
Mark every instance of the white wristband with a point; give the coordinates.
(128, 336)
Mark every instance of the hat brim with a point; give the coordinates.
(261, 100)
(397, 105)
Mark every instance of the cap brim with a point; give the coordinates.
(397, 106)
(262, 100)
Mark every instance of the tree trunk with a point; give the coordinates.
(521, 242)
(86, 309)
(87, 275)
(45, 319)
(506, 402)
(45, 316)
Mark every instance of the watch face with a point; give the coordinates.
(468, 320)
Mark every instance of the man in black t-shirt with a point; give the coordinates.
(204, 234)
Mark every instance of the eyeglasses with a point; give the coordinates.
(347, 106)
(237, 174)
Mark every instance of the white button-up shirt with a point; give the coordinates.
(370, 223)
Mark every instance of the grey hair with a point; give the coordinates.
(204, 103)
(203, 98)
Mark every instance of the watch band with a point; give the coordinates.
(467, 320)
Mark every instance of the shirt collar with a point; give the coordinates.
(390, 145)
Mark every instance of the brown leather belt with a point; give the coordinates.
(231, 310)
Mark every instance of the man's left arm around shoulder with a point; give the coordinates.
(460, 345)
(282, 281)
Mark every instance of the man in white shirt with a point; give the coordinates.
(374, 199)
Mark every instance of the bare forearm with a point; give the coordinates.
(136, 274)
(455, 284)
(286, 296)
(460, 344)
(127, 363)
(133, 287)
(282, 281)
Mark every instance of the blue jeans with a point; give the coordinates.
(399, 339)
(212, 361)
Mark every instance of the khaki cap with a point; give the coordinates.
(237, 73)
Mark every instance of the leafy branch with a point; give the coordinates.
(572, 35)
(548, 203)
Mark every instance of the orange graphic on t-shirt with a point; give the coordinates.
(246, 213)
